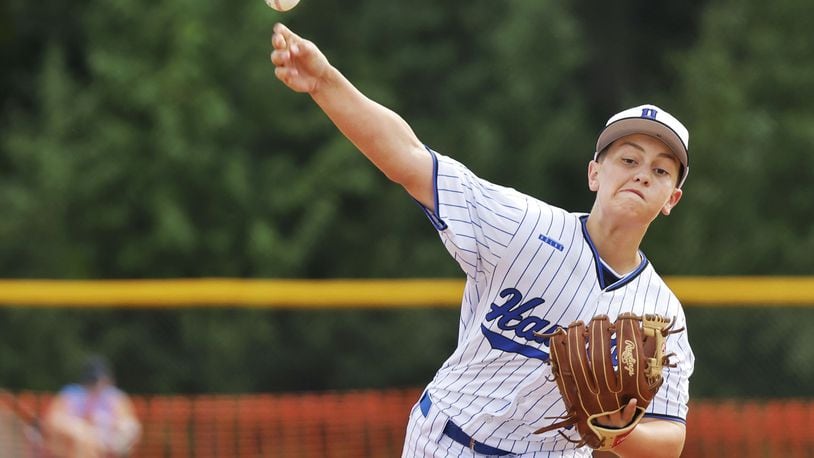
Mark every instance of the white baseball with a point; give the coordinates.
(282, 5)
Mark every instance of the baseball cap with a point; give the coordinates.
(650, 120)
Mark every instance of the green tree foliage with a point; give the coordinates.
(748, 207)
(747, 95)
(144, 140)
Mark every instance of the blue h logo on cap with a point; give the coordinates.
(649, 113)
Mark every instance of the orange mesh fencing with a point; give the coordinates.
(332, 425)
(372, 423)
(750, 429)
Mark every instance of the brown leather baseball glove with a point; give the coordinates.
(592, 384)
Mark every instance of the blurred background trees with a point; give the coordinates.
(144, 140)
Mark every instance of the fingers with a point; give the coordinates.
(630, 411)
(631, 406)
(298, 62)
(283, 30)
(280, 58)
(619, 418)
(284, 66)
(278, 41)
(285, 74)
(285, 44)
(283, 37)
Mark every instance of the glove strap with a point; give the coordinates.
(611, 437)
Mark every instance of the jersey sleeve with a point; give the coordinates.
(672, 398)
(476, 219)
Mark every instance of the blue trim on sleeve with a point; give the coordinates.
(425, 403)
(432, 214)
(666, 417)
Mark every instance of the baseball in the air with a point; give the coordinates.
(282, 5)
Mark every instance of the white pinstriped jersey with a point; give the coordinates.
(530, 267)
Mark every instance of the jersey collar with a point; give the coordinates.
(607, 281)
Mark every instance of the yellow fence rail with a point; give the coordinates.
(220, 292)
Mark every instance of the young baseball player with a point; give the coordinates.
(530, 268)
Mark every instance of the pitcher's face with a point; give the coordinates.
(636, 177)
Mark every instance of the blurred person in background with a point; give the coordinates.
(92, 418)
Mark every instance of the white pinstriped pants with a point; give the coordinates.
(425, 438)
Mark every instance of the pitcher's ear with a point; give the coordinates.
(672, 202)
(593, 175)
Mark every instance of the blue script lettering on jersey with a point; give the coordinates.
(508, 316)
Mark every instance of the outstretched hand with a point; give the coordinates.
(298, 62)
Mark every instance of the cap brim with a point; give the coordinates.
(630, 126)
